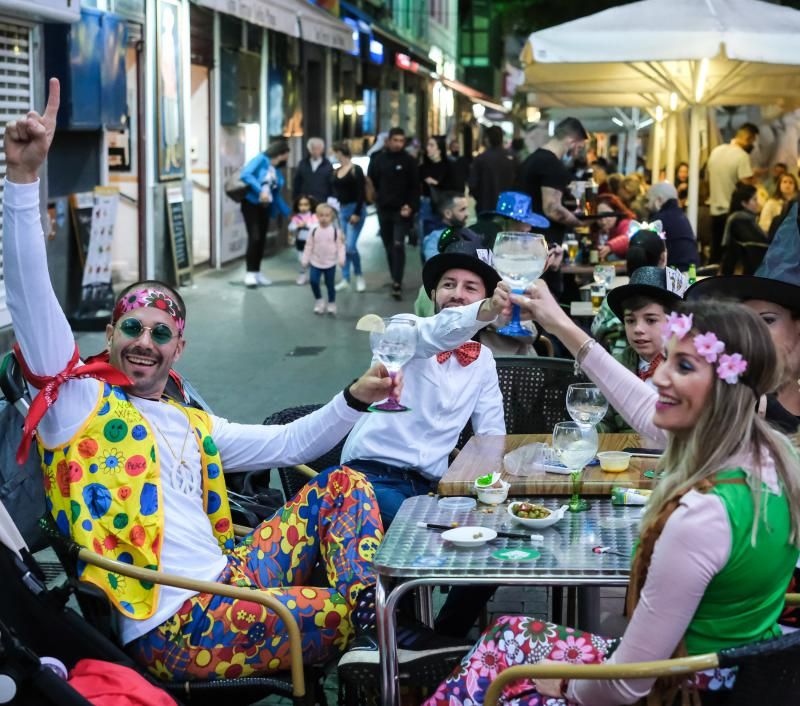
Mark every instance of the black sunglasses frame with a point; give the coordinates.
(156, 332)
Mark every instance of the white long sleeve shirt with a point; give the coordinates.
(443, 397)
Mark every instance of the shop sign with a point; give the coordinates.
(405, 62)
(47, 10)
(375, 51)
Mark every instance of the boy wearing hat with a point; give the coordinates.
(642, 305)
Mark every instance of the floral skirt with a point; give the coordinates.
(516, 640)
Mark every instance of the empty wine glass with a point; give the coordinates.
(394, 347)
(586, 404)
(520, 259)
(576, 445)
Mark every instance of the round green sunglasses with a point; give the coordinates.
(133, 328)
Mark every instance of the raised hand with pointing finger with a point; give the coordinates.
(28, 140)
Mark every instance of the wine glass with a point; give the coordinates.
(576, 444)
(394, 347)
(586, 404)
(520, 259)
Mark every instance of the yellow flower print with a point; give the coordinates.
(159, 670)
(234, 669)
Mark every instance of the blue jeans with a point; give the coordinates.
(351, 233)
(314, 276)
(392, 485)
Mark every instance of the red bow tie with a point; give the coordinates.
(466, 353)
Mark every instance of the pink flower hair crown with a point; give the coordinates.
(708, 346)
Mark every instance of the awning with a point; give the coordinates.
(292, 17)
(321, 27)
(473, 94)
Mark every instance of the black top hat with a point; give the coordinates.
(777, 280)
(462, 255)
(650, 282)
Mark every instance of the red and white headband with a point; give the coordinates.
(140, 298)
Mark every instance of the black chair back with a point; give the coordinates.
(534, 392)
(767, 673)
(291, 479)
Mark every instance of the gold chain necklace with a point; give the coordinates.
(181, 461)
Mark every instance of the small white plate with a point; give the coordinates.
(469, 536)
(555, 516)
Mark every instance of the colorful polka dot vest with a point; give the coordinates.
(104, 490)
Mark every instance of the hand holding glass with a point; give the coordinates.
(576, 444)
(520, 259)
(394, 347)
(586, 404)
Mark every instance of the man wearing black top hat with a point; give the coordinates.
(403, 455)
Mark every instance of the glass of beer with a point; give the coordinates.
(572, 249)
(598, 292)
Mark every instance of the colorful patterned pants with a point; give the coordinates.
(333, 518)
(515, 640)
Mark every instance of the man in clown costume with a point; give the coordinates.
(138, 478)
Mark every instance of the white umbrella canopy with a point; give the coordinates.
(669, 54)
(733, 51)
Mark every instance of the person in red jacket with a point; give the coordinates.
(614, 228)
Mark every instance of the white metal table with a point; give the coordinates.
(412, 556)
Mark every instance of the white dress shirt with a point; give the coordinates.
(443, 397)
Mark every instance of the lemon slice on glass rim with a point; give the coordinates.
(370, 322)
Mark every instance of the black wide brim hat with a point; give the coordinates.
(459, 256)
(650, 282)
(744, 288)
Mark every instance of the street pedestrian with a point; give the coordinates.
(434, 174)
(395, 176)
(303, 220)
(492, 171)
(314, 174)
(323, 251)
(459, 167)
(262, 202)
(349, 188)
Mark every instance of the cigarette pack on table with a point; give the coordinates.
(629, 496)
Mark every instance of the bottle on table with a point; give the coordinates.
(692, 274)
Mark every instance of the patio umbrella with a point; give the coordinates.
(666, 55)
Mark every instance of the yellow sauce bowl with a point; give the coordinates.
(614, 461)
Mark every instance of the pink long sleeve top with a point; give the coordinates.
(324, 248)
(681, 567)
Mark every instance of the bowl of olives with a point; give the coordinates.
(533, 515)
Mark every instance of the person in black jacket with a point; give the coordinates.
(395, 176)
(493, 171)
(743, 241)
(664, 205)
(314, 175)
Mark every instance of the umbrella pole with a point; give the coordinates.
(656, 151)
(672, 128)
(695, 119)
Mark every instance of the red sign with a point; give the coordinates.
(405, 62)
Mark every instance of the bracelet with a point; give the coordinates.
(583, 351)
(352, 401)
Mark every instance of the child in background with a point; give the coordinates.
(324, 249)
(300, 225)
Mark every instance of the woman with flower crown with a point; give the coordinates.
(740, 494)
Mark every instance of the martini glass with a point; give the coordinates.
(520, 259)
(586, 404)
(576, 444)
(394, 347)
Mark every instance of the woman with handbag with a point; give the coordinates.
(262, 201)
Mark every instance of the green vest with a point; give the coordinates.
(742, 602)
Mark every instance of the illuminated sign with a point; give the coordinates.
(375, 51)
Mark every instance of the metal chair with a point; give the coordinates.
(766, 671)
